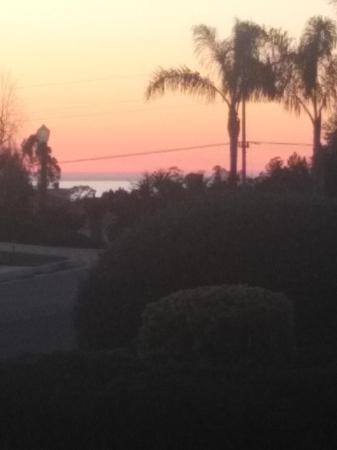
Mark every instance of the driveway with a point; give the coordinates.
(36, 311)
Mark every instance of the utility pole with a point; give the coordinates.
(244, 143)
(43, 175)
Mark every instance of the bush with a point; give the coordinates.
(231, 323)
(285, 244)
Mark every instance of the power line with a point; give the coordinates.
(180, 149)
(145, 153)
(292, 144)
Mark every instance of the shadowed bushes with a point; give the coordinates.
(103, 402)
(285, 244)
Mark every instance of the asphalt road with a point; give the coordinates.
(36, 313)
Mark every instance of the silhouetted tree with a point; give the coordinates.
(329, 157)
(312, 86)
(9, 111)
(42, 164)
(291, 177)
(244, 64)
(219, 179)
(164, 185)
(81, 192)
(195, 183)
(154, 191)
(15, 194)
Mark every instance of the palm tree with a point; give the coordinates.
(42, 164)
(242, 67)
(312, 87)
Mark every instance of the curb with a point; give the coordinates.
(37, 270)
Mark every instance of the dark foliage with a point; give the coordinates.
(57, 226)
(39, 232)
(20, 219)
(293, 177)
(233, 324)
(155, 191)
(328, 157)
(159, 189)
(114, 402)
(16, 194)
(285, 244)
(34, 155)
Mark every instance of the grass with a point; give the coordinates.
(25, 259)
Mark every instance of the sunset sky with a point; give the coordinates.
(82, 66)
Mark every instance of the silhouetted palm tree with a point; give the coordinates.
(42, 164)
(312, 87)
(243, 69)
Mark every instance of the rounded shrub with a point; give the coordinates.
(231, 323)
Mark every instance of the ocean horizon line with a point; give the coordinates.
(97, 176)
(131, 176)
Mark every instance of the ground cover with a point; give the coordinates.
(115, 400)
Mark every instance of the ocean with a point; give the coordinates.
(100, 186)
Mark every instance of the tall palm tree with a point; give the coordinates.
(312, 87)
(242, 69)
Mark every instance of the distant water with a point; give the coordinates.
(100, 186)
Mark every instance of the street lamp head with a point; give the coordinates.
(42, 134)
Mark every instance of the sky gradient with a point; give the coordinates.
(81, 67)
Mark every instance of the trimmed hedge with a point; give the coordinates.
(230, 323)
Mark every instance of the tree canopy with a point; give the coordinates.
(312, 81)
(243, 67)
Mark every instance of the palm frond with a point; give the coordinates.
(248, 39)
(210, 49)
(255, 65)
(183, 80)
(295, 98)
(279, 45)
(319, 37)
(292, 100)
(327, 92)
(262, 82)
(317, 44)
(312, 86)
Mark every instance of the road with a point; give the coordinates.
(36, 312)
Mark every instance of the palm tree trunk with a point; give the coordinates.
(233, 131)
(317, 163)
(317, 135)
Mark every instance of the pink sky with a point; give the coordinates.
(81, 67)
